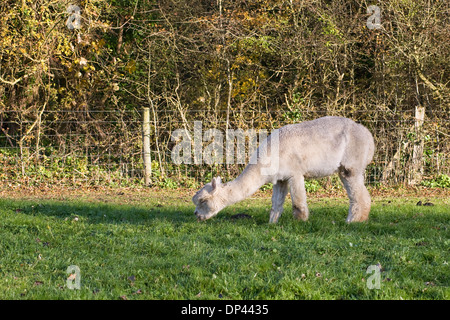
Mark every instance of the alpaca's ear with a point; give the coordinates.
(216, 182)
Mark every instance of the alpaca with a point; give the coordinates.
(311, 149)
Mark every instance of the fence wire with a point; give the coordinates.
(104, 147)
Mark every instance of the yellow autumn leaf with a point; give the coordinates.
(131, 66)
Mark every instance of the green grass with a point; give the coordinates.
(153, 248)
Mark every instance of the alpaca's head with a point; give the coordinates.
(208, 201)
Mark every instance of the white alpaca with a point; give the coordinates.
(311, 149)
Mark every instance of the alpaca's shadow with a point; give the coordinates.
(98, 212)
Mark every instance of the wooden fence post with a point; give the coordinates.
(417, 156)
(146, 156)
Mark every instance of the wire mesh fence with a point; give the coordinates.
(105, 147)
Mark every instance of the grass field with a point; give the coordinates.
(148, 245)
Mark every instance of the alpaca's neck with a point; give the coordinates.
(246, 184)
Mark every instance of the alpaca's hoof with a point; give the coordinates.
(357, 218)
(300, 214)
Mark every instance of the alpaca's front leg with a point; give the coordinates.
(358, 195)
(298, 195)
(280, 190)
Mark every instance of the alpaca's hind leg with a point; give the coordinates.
(358, 195)
(298, 195)
(280, 190)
